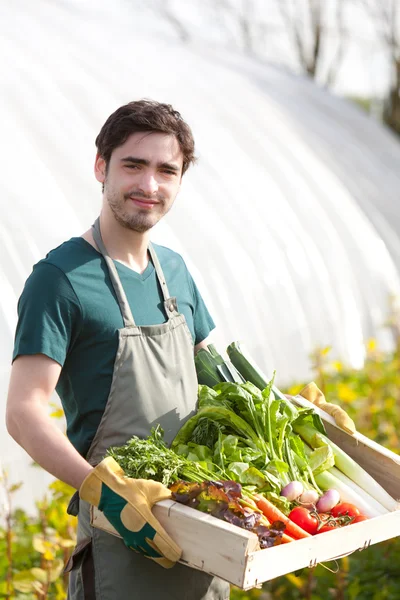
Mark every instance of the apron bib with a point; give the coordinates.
(154, 382)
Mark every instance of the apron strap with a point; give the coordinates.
(170, 304)
(82, 557)
(115, 280)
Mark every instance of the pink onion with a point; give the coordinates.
(309, 498)
(328, 501)
(292, 490)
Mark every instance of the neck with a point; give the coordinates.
(124, 245)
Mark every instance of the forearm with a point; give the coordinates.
(202, 345)
(34, 430)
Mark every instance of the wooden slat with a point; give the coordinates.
(382, 464)
(274, 562)
(208, 544)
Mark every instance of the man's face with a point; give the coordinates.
(142, 179)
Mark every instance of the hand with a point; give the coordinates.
(127, 504)
(313, 394)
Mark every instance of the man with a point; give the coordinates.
(112, 323)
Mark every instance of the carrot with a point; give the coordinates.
(286, 539)
(274, 514)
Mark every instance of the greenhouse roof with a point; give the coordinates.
(289, 222)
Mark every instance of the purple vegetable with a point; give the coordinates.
(292, 490)
(309, 498)
(328, 501)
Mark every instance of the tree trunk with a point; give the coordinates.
(392, 112)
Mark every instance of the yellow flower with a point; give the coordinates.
(345, 393)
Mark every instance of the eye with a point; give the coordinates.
(132, 166)
(169, 172)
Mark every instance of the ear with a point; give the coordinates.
(100, 169)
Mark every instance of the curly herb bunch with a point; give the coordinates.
(152, 459)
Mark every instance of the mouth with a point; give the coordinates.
(143, 203)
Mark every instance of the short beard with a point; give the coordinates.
(139, 222)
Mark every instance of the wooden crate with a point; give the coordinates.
(233, 554)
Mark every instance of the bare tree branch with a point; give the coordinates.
(291, 22)
(309, 36)
(165, 10)
(341, 47)
(221, 8)
(384, 15)
(314, 7)
(395, 28)
(246, 19)
(243, 17)
(376, 9)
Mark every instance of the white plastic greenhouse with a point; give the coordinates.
(290, 222)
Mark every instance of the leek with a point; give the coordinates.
(347, 465)
(211, 368)
(357, 490)
(246, 366)
(251, 372)
(365, 503)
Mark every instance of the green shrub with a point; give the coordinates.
(33, 550)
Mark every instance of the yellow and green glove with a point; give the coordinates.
(313, 394)
(127, 504)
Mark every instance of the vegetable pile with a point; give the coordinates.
(192, 483)
(252, 457)
(223, 499)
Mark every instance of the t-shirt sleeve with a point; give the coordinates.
(202, 320)
(49, 314)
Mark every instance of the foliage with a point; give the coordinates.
(370, 396)
(33, 550)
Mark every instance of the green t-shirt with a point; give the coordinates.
(69, 312)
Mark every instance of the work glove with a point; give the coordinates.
(313, 394)
(127, 504)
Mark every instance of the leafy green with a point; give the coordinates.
(230, 444)
(221, 415)
(321, 459)
(206, 432)
(246, 475)
(240, 423)
(279, 501)
(209, 397)
(202, 452)
(152, 459)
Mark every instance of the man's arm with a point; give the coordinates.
(202, 344)
(33, 381)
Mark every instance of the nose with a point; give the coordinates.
(148, 183)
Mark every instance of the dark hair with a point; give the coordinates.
(142, 116)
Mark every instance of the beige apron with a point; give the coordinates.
(154, 381)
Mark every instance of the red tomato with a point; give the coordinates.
(324, 516)
(327, 527)
(345, 508)
(304, 519)
(360, 518)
